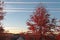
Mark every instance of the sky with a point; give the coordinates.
(15, 20)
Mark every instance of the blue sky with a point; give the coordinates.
(16, 21)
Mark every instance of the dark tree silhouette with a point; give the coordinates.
(1, 30)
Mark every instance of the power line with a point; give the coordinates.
(29, 11)
(28, 2)
(28, 8)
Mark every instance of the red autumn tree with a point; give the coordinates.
(39, 20)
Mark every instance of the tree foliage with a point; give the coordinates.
(1, 30)
(40, 21)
